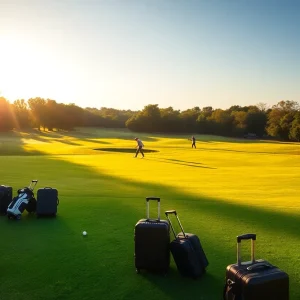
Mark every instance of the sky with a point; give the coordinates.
(126, 54)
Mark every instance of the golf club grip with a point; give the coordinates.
(148, 207)
(152, 198)
(34, 181)
(169, 212)
(248, 236)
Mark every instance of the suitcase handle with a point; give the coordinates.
(148, 207)
(48, 187)
(169, 212)
(259, 265)
(33, 184)
(246, 236)
(153, 198)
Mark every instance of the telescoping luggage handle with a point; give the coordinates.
(33, 184)
(148, 208)
(247, 236)
(169, 212)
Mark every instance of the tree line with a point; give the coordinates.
(281, 121)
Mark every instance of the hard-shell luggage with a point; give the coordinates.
(47, 201)
(187, 251)
(152, 239)
(255, 279)
(24, 200)
(5, 198)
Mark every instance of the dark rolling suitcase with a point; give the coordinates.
(151, 243)
(5, 198)
(187, 251)
(47, 202)
(255, 279)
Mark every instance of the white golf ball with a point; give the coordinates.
(84, 233)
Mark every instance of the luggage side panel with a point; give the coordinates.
(196, 244)
(152, 249)
(47, 201)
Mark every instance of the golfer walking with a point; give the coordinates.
(193, 139)
(139, 147)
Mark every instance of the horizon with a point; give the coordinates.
(129, 54)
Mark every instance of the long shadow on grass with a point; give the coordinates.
(294, 152)
(206, 211)
(181, 162)
(117, 207)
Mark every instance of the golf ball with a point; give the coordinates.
(84, 233)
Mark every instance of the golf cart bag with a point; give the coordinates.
(152, 243)
(5, 198)
(24, 200)
(187, 251)
(255, 279)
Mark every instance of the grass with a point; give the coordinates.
(224, 188)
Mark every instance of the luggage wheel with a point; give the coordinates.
(137, 271)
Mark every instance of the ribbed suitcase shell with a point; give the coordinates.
(47, 201)
(255, 279)
(259, 284)
(189, 255)
(152, 249)
(5, 198)
(152, 242)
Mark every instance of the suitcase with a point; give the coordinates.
(151, 243)
(20, 203)
(255, 279)
(187, 251)
(47, 202)
(5, 198)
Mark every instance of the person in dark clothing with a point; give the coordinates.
(139, 146)
(193, 142)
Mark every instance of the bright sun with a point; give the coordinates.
(28, 70)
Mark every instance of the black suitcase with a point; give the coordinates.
(5, 198)
(47, 202)
(187, 251)
(255, 279)
(151, 243)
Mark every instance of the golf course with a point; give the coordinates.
(223, 188)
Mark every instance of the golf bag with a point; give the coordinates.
(5, 198)
(187, 251)
(152, 239)
(47, 202)
(255, 279)
(24, 200)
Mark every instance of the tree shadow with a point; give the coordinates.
(181, 162)
(296, 152)
(117, 208)
(124, 150)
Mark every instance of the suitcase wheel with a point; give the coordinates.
(137, 271)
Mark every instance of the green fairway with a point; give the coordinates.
(224, 188)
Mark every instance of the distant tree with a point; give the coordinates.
(38, 112)
(294, 133)
(256, 122)
(280, 119)
(21, 114)
(6, 117)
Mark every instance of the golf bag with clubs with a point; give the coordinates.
(24, 200)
